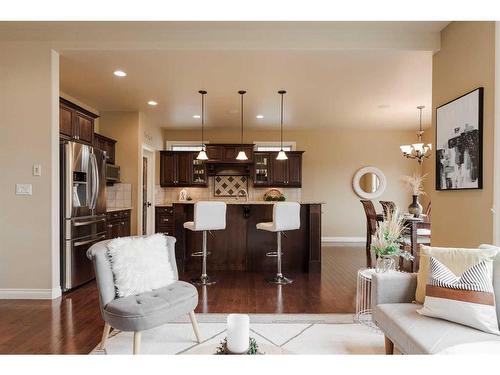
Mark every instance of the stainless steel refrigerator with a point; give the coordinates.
(83, 209)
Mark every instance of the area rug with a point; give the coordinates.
(274, 333)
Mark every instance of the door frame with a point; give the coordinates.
(149, 153)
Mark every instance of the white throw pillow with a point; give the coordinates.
(467, 299)
(456, 259)
(140, 264)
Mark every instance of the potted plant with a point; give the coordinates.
(386, 242)
(415, 185)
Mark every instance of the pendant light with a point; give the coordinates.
(281, 154)
(241, 154)
(417, 151)
(202, 154)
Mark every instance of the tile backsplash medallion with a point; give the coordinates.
(229, 186)
(119, 196)
(171, 194)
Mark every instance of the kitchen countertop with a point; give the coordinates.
(118, 209)
(241, 201)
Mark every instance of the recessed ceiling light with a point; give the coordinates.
(259, 116)
(120, 73)
(152, 102)
(196, 116)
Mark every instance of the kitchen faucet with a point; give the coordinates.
(245, 192)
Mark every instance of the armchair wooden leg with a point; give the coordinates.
(105, 334)
(196, 329)
(137, 342)
(389, 346)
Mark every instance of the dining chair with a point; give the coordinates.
(388, 207)
(428, 210)
(371, 226)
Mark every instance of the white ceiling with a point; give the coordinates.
(337, 74)
(348, 89)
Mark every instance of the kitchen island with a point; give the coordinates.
(241, 247)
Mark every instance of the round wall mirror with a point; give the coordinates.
(369, 182)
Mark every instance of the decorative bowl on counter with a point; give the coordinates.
(274, 195)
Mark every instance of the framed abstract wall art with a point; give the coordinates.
(459, 142)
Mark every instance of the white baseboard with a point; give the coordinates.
(30, 293)
(343, 239)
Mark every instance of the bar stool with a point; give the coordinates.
(207, 216)
(286, 216)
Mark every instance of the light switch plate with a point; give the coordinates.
(37, 170)
(24, 189)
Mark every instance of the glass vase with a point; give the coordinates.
(385, 264)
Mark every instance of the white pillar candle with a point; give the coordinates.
(238, 333)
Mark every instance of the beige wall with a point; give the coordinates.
(124, 128)
(330, 160)
(466, 61)
(29, 133)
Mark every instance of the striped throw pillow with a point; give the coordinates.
(467, 299)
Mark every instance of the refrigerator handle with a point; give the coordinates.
(94, 181)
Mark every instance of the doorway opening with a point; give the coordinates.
(146, 226)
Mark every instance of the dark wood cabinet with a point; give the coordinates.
(106, 144)
(183, 166)
(281, 173)
(262, 169)
(75, 122)
(65, 121)
(118, 224)
(214, 152)
(164, 220)
(228, 152)
(181, 169)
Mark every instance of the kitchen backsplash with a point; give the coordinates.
(119, 195)
(171, 194)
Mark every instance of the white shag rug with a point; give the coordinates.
(274, 333)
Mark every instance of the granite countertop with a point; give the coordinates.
(241, 201)
(118, 209)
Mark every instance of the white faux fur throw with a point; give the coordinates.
(140, 264)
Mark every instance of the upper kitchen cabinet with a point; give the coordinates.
(75, 122)
(262, 169)
(106, 144)
(181, 169)
(228, 152)
(286, 173)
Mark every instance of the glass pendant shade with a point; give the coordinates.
(406, 149)
(418, 147)
(281, 155)
(202, 155)
(241, 156)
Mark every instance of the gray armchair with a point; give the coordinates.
(396, 315)
(143, 311)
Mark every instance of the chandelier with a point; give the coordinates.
(417, 151)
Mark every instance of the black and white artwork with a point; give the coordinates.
(459, 128)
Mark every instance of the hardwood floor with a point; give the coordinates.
(72, 324)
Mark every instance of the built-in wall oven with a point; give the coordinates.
(83, 210)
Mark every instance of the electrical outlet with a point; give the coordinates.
(24, 189)
(37, 170)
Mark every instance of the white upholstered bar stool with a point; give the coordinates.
(207, 216)
(286, 216)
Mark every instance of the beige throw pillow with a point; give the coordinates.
(456, 259)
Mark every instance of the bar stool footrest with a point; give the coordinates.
(273, 254)
(199, 254)
(279, 279)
